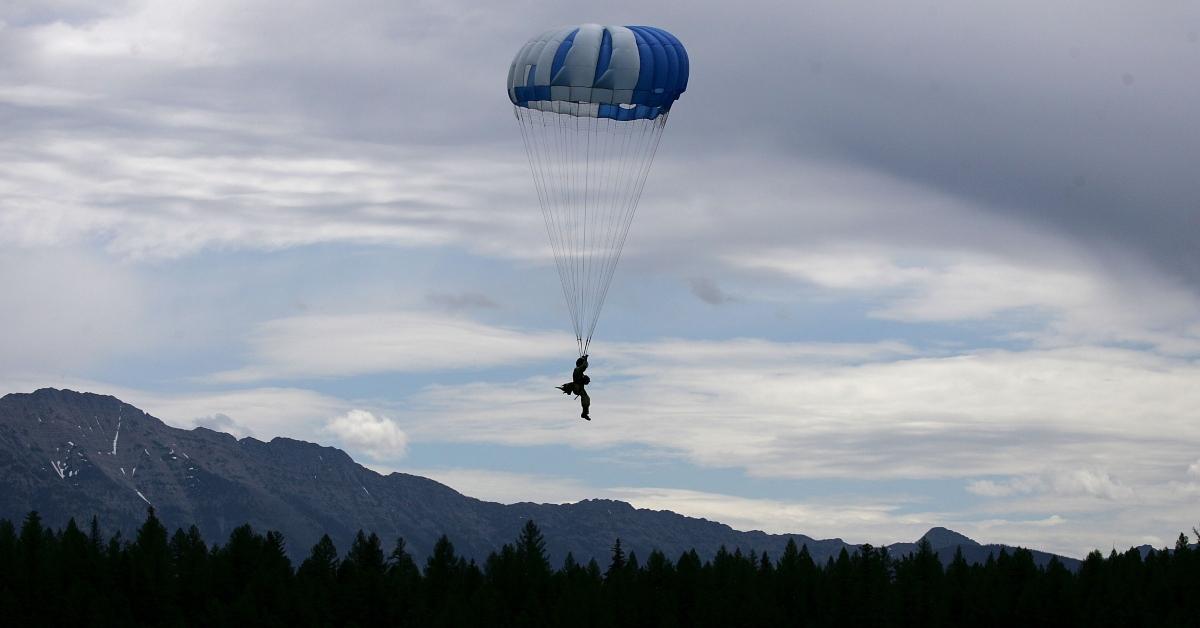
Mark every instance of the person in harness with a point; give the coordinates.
(577, 386)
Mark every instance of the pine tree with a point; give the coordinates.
(1058, 603)
(688, 575)
(1093, 580)
(150, 561)
(73, 569)
(271, 579)
(534, 576)
(957, 591)
(362, 581)
(657, 600)
(618, 605)
(94, 536)
(317, 583)
(247, 573)
(444, 574)
(793, 580)
(616, 566)
(189, 563)
(403, 586)
(840, 577)
(919, 587)
(31, 578)
(8, 568)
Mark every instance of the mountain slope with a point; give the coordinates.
(69, 454)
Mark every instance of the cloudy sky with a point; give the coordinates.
(897, 264)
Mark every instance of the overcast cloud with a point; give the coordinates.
(883, 245)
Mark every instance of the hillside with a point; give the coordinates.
(70, 454)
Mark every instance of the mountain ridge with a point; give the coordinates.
(303, 489)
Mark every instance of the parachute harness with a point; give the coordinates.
(589, 173)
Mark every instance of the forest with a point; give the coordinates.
(75, 576)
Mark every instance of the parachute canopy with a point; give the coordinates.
(593, 71)
(592, 102)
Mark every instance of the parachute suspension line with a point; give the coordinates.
(616, 193)
(581, 143)
(587, 179)
(534, 150)
(602, 202)
(570, 144)
(656, 127)
(589, 175)
(615, 204)
(537, 146)
(610, 152)
(566, 214)
(566, 207)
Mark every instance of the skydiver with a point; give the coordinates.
(577, 384)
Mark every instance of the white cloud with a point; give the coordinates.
(1155, 512)
(1093, 483)
(932, 287)
(752, 352)
(875, 520)
(1061, 483)
(1052, 520)
(377, 436)
(354, 344)
(223, 423)
(189, 133)
(1059, 301)
(263, 412)
(975, 290)
(989, 488)
(971, 414)
(160, 198)
(839, 269)
(507, 487)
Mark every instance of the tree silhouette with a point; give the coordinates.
(69, 577)
(362, 581)
(403, 583)
(317, 583)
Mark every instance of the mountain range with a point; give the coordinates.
(70, 454)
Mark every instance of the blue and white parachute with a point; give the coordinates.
(592, 102)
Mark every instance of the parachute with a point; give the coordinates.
(592, 102)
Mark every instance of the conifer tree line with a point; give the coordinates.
(78, 577)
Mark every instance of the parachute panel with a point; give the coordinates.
(605, 65)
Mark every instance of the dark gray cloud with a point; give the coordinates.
(1074, 119)
(1039, 119)
(707, 290)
